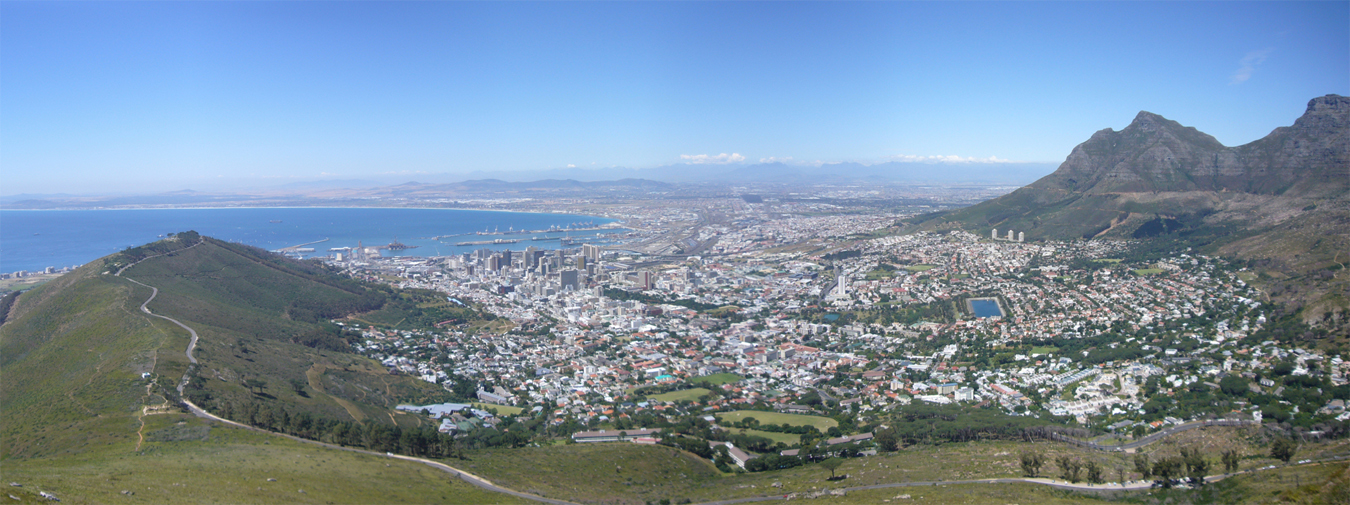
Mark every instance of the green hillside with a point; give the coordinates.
(76, 410)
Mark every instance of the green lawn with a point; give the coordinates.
(504, 410)
(1107, 260)
(1044, 349)
(786, 438)
(718, 379)
(675, 396)
(821, 423)
(1148, 271)
(920, 268)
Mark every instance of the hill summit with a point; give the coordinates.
(1282, 201)
(1118, 180)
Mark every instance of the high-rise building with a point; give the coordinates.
(590, 252)
(646, 279)
(568, 279)
(1021, 236)
(531, 257)
(993, 233)
(1010, 234)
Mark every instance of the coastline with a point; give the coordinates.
(34, 239)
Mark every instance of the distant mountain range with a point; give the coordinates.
(848, 172)
(1283, 200)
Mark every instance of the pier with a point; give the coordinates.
(297, 247)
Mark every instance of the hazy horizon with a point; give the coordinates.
(131, 98)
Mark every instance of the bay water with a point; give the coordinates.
(35, 239)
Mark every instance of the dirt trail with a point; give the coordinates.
(315, 377)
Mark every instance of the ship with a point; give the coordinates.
(398, 246)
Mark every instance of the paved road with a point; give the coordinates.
(202, 413)
(488, 485)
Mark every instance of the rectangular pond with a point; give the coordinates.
(985, 307)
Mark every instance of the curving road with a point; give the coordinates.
(202, 413)
(488, 485)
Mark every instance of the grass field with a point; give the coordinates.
(718, 379)
(193, 462)
(505, 410)
(675, 396)
(1044, 349)
(821, 423)
(1148, 271)
(616, 473)
(19, 283)
(786, 438)
(920, 268)
(1107, 260)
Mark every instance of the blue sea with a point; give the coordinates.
(35, 239)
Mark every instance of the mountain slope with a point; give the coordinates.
(79, 419)
(72, 351)
(1283, 200)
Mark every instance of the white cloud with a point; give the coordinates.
(1248, 65)
(775, 159)
(706, 159)
(569, 165)
(945, 159)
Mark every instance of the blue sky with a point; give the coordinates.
(171, 95)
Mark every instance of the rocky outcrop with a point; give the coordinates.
(1155, 166)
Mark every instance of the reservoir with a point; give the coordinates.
(985, 307)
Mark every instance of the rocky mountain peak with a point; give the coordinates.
(1146, 119)
(1329, 104)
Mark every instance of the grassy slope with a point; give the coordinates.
(237, 303)
(597, 473)
(193, 462)
(589, 473)
(71, 355)
(71, 358)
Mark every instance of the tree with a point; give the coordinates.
(256, 384)
(1094, 472)
(1230, 460)
(1167, 470)
(1031, 463)
(1283, 450)
(1196, 464)
(887, 440)
(831, 464)
(1142, 465)
(1233, 385)
(1198, 467)
(1070, 468)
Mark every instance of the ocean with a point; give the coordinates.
(36, 239)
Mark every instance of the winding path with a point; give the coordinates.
(202, 413)
(489, 486)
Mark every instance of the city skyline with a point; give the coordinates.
(123, 97)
